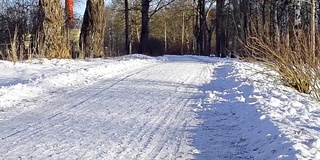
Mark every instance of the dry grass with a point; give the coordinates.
(315, 69)
(54, 46)
(12, 52)
(295, 64)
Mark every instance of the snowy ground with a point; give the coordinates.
(137, 107)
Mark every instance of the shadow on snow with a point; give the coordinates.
(231, 125)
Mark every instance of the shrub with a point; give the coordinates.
(295, 63)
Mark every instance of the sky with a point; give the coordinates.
(80, 6)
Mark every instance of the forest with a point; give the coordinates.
(282, 34)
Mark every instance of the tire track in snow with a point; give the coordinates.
(133, 133)
(179, 106)
(142, 134)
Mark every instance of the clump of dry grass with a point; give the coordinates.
(12, 51)
(296, 63)
(54, 46)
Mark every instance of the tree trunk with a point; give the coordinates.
(201, 26)
(195, 25)
(220, 32)
(297, 14)
(182, 33)
(264, 16)
(218, 37)
(317, 14)
(243, 20)
(313, 28)
(256, 12)
(209, 41)
(70, 13)
(52, 35)
(144, 26)
(127, 30)
(165, 38)
(276, 30)
(92, 30)
(223, 51)
(284, 16)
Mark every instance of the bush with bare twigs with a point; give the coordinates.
(296, 63)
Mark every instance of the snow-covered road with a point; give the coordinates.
(143, 114)
(139, 107)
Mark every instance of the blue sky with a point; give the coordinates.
(80, 6)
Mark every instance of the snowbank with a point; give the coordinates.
(269, 120)
(25, 81)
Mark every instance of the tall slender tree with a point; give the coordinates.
(313, 27)
(210, 25)
(220, 30)
(276, 31)
(127, 27)
(284, 17)
(297, 14)
(202, 31)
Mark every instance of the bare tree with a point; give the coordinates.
(145, 17)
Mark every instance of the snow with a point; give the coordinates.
(139, 107)
(26, 81)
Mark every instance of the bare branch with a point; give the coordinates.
(158, 7)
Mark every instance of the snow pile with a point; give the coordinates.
(295, 114)
(248, 115)
(25, 81)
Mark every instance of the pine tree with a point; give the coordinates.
(52, 36)
(92, 30)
